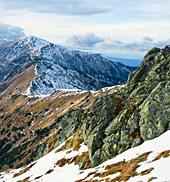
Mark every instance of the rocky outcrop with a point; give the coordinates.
(138, 112)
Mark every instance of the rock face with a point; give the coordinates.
(138, 112)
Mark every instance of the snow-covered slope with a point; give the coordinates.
(53, 76)
(147, 162)
(2, 40)
(84, 61)
(15, 54)
(14, 49)
(56, 67)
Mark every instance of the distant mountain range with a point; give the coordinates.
(51, 67)
(129, 62)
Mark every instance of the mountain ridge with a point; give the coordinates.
(58, 67)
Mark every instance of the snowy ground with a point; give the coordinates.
(71, 172)
(72, 91)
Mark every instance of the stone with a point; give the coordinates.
(138, 112)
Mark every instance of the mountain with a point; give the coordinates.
(88, 132)
(56, 67)
(2, 40)
(129, 62)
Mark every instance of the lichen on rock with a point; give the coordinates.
(138, 112)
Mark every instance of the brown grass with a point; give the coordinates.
(49, 171)
(152, 178)
(126, 168)
(69, 151)
(147, 171)
(13, 103)
(163, 154)
(91, 173)
(52, 143)
(38, 177)
(96, 180)
(24, 180)
(83, 158)
(62, 162)
(74, 142)
(24, 170)
(119, 106)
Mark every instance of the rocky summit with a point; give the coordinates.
(109, 121)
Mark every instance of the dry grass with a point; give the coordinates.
(83, 158)
(16, 105)
(151, 179)
(147, 171)
(119, 106)
(20, 80)
(51, 143)
(62, 162)
(69, 151)
(126, 168)
(24, 180)
(24, 170)
(73, 143)
(96, 180)
(38, 177)
(91, 173)
(163, 154)
(78, 159)
(49, 171)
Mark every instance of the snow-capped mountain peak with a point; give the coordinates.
(34, 42)
(19, 47)
(2, 40)
(59, 67)
(30, 42)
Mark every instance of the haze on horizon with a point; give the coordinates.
(118, 28)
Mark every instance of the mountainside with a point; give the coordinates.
(57, 67)
(31, 127)
(2, 40)
(138, 112)
(147, 162)
(89, 127)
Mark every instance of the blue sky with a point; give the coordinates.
(120, 28)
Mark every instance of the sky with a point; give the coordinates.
(115, 28)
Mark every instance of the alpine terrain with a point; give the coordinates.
(53, 67)
(61, 121)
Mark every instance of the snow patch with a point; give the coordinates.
(71, 173)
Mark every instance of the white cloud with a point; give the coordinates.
(10, 32)
(91, 41)
(84, 41)
(139, 45)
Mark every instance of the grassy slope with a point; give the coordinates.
(24, 120)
